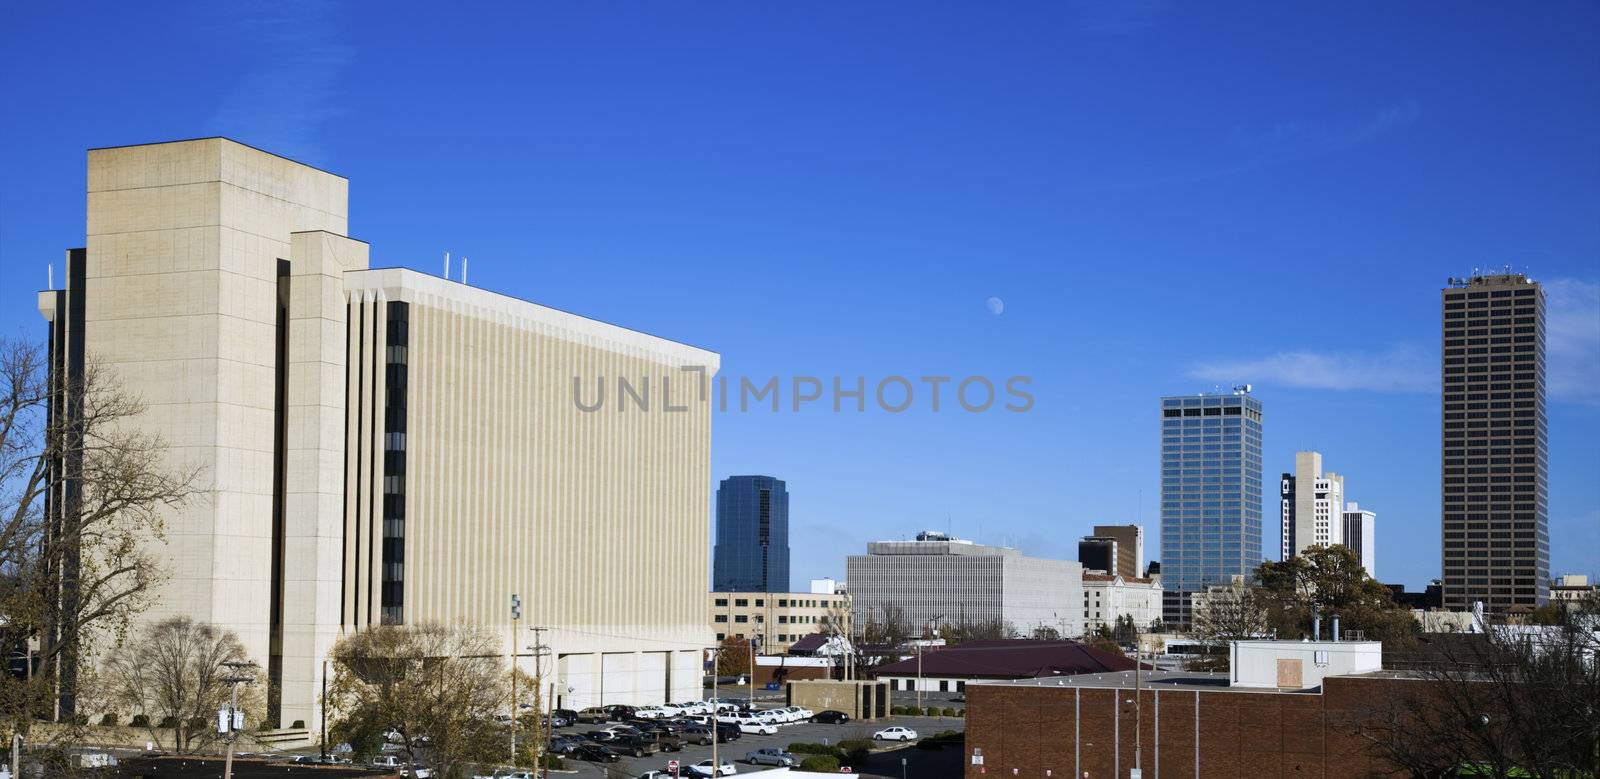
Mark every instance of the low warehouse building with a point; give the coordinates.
(949, 669)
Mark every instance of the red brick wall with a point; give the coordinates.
(1032, 730)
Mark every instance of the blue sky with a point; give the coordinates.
(1166, 197)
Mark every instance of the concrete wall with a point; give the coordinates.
(1274, 664)
(593, 518)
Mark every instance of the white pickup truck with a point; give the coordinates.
(402, 765)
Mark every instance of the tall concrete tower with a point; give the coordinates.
(1494, 485)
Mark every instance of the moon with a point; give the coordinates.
(996, 306)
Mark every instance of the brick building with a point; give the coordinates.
(1194, 725)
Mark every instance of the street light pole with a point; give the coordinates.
(516, 614)
(919, 677)
(538, 649)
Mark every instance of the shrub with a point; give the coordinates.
(553, 760)
(823, 764)
(897, 710)
(808, 748)
(108, 719)
(299, 724)
(948, 712)
(140, 721)
(169, 721)
(851, 744)
(961, 712)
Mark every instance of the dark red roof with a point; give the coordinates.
(1010, 659)
(810, 643)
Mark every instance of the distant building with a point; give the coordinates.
(777, 619)
(1361, 536)
(941, 580)
(826, 587)
(1570, 588)
(1311, 506)
(1130, 547)
(1494, 485)
(1210, 494)
(752, 548)
(949, 669)
(1109, 597)
(1097, 553)
(1430, 598)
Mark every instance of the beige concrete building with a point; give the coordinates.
(1311, 506)
(1109, 597)
(778, 618)
(382, 445)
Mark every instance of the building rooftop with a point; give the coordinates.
(1118, 680)
(1010, 659)
(1107, 577)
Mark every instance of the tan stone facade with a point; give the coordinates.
(778, 618)
(219, 285)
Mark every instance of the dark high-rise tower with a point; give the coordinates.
(1494, 487)
(752, 550)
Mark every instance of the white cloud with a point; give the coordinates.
(1572, 370)
(282, 102)
(1401, 369)
(1572, 340)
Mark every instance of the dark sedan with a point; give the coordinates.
(830, 717)
(594, 753)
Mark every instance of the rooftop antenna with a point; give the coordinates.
(50, 276)
(463, 269)
(447, 266)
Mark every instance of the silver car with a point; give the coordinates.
(772, 756)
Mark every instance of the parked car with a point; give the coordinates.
(650, 712)
(638, 746)
(563, 745)
(728, 731)
(805, 713)
(594, 715)
(758, 727)
(896, 733)
(567, 714)
(656, 775)
(560, 719)
(672, 709)
(664, 741)
(830, 717)
(619, 712)
(402, 765)
(771, 756)
(707, 769)
(696, 735)
(595, 753)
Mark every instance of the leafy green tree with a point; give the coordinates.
(1328, 581)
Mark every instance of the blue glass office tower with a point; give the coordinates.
(752, 550)
(1210, 494)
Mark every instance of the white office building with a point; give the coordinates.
(1361, 535)
(1312, 506)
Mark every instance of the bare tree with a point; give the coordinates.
(82, 493)
(1225, 614)
(1511, 702)
(439, 687)
(176, 674)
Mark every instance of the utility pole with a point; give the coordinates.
(538, 650)
(516, 614)
(716, 711)
(919, 677)
(230, 720)
(324, 710)
(1138, 708)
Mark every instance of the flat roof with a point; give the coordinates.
(1156, 680)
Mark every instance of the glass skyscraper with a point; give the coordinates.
(752, 549)
(1210, 494)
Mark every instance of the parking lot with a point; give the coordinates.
(920, 763)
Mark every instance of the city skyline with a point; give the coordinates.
(863, 211)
